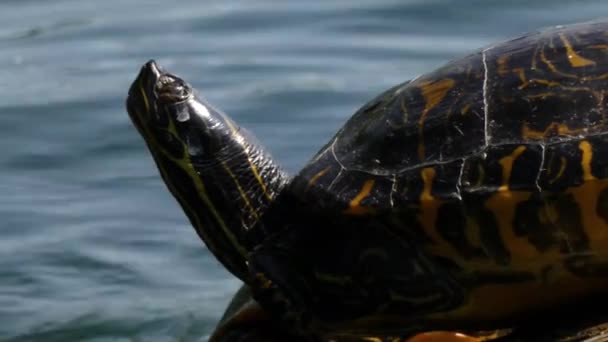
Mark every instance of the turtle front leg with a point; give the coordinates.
(246, 321)
(271, 290)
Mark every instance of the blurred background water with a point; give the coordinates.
(92, 245)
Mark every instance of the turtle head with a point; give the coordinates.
(222, 178)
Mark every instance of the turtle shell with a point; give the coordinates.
(467, 197)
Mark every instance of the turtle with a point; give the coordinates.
(472, 197)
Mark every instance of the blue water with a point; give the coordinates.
(92, 245)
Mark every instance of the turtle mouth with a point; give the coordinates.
(152, 89)
(141, 100)
(166, 87)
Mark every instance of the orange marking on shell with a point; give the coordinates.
(503, 205)
(316, 177)
(428, 174)
(355, 207)
(540, 95)
(585, 147)
(507, 167)
(586, 196)
(546, 82)
(547, 62)
(433, 93)
(465, 109)
(427, 216)
(443, 336)
(574, 58)
(559, 129)
(560, 172)
(496, 301)
(554, 69)
(521, 73)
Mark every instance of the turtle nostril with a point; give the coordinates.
(165, 79)
(171, 89)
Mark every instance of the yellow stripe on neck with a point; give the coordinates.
(186, 164)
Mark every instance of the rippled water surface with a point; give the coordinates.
(92, 246)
